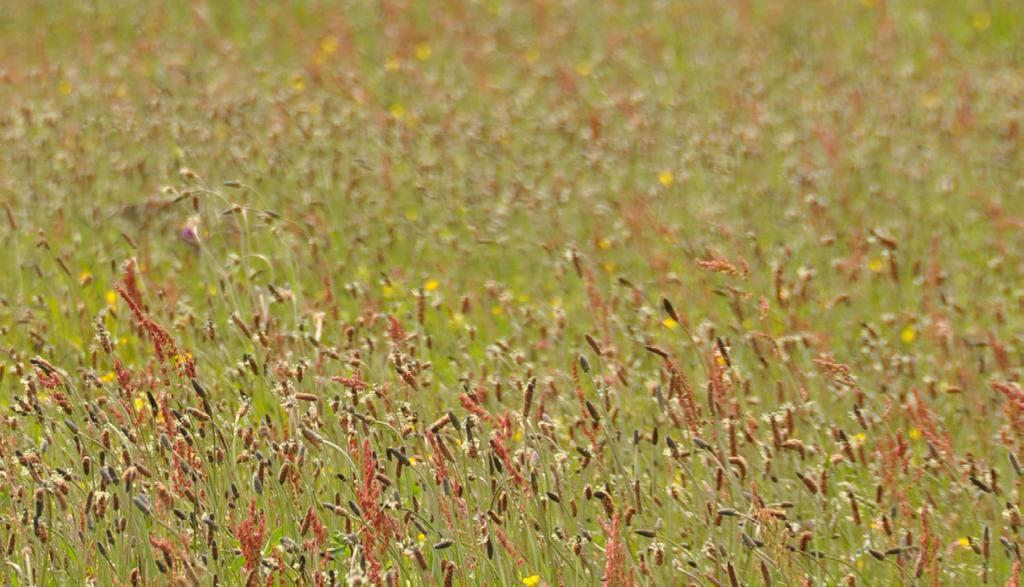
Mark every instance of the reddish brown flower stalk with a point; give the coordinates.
(163, 344)
(49, 380)
(166, 349)
(352, 383)
(839, 373)
(616, 573)
(720, 264)
(381, 527)
(313, 524)
(680, 388)
(505, 425)
(719, 380)
(170, 421)
(928, 549)
(409, 379)
(999, 351)
(250, 533)
(395, 331)
(502, 452)
(165, 548)
(164, 499)
(1014, 580)
(470, 404)
(131, 283)
(446, 513)
(929, 425)
(1014, 408)
(507, 545)
(437, 457)
(1012, 391)
(124, 376)
(893, 453)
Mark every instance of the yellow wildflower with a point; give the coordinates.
(457, 321)
(908, 335)
(981, 21)
(858, 439)
(423, 51)
(329, 45)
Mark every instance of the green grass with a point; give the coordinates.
(828, 194)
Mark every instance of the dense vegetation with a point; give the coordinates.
(485, 293)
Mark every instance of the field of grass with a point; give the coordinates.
(544, 293)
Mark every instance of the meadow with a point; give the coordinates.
(550, 293)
